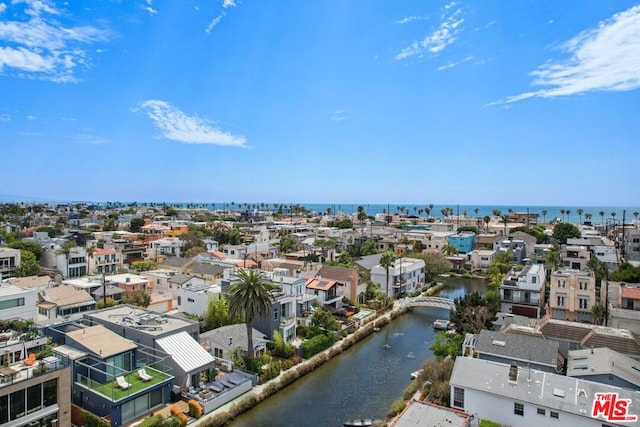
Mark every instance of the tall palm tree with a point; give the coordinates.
(486, 219)
(387, 260)
(580, 212)
(249, 298)
(544, 215)
(601, 213)
(476, 210)
(568, 213)
(588, 216)
(562, 212)
(505, 221)
(66, 249)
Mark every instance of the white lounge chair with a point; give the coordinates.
(142, 374)
(122, 383)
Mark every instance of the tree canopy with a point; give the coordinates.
(249, 298)
(563, 231)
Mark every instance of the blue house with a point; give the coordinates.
(112, 377)
(463, 242)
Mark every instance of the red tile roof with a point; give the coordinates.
(630, 292)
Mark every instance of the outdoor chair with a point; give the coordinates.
(142, 374)
(122, 383)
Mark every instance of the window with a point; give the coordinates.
(554, 414)
(584, 303)
(518, 409)
(583, 286)
(11, 303)
(534, 279)
(560, 301)
(541, 411)
(458, 397)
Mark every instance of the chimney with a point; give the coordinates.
(513, 372)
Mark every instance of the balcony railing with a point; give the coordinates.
(521, 300)
(287, 321)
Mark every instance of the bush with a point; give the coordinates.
(92, 420)
(171, 421)
(315, 345)
(195, 409)
(153, 421)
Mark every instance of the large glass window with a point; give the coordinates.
(34, 398)
(4, 409)
(50, 392)
(11, 303)
(16, 405)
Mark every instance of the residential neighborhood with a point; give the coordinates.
(147, 312)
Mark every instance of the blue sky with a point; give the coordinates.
(365, 101)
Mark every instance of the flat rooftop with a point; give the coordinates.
(138, 318)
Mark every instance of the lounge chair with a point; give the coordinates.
(142, 374)
(122, 383)
(31, 360)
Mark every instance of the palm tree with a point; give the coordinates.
(601, 213)
(562, 212)
(486, 219)
(66, 249)
(448, 249)
(568, 213)
(544, 215)
(588, 216)
(496, 212)
(387, 260)
(249, 298)
(635, 214)
(579, 212)
(476, 210)
(505, 221)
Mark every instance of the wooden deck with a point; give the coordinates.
(165, 411)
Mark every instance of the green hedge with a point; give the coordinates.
(315, 345)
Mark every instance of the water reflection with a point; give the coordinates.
(365, 381)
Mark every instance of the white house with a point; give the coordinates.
(74, 266)
(194, 299)
(9, 259)
(522, 291)
(17, 302)
(405, 276)
(482, 258)
(518, 396)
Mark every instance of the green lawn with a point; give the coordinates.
(112, 391)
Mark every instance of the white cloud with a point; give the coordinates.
(606, 58)
(411, 19)
(340, 115)
(91, 139)
(215, 21)
(3, 7)
(436, 41)
(149, 7)
(454, 64)
(30, 117)
(178, 126)
(228, 3)
(40, 47)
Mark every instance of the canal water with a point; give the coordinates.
(364, 381)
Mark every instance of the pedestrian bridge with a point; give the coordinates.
(429, 302)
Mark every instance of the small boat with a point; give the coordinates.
(416, 374)
(442, 324)
(360, 423)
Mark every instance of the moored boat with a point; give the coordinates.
(441, 324)
(361, 423)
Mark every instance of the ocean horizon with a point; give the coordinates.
(611, 213)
